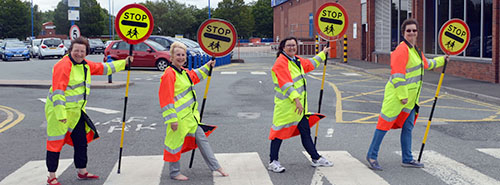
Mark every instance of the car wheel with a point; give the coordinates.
(40, 57)
(4, 58)
(162, 64)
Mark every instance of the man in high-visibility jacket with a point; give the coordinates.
(402, 91)
(291, 117)
(179, 108)
(67, 122)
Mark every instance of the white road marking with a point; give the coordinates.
(137, 170)
(258, 73)
(248, 115)
(351, 74)
(228, 72)
(34, 172)
(243, 169)
(451, 171)
(318, 74)
(97, 109)
(329, 132)
(346, 170)
(495, 152)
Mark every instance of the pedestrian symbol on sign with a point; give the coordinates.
(132, 33)
(214, 45)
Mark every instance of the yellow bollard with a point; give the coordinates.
(345, 48)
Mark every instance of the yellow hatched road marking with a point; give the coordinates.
(20, 117)
(362, 94)
(338, 110)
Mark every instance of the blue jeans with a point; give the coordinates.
(305, 137)
(378, 136)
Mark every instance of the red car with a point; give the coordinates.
(146, 54)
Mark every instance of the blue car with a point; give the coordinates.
(15, 50)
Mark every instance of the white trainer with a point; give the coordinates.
(276, 167)
(321, 162)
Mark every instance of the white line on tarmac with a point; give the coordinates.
(451, 171)
(137, 170)
(34, 172)
(97, 109)
(243, 169)
(495, 152)
(318, 74)
(228, 72)
(346, 170)
(258, 73)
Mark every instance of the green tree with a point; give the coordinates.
(263, 17)
(92, 21)
(200, 16)
(14, 19)
(170, 17)
(239, 14)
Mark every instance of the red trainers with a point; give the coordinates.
(49, 181)
(87, 176)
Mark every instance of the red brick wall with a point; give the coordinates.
(370, 36)
(297, 12)
(496, 42)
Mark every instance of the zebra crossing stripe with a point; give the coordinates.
(137, 170)
(346, 170)
(452, 172)
(495, 152)
(243, 169)
(228, 72)
(34, 172)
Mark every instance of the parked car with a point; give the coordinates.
(15, 50)
(166, 41)
(51, 47)
(35, 47)
(191, 44)
(146, 54)
(107, 43)
(96, 46)
(66, 43)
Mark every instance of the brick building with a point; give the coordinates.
(374, 29)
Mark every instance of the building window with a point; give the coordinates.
(400, 11)
(477, 15)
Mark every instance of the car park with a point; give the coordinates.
(96, 46)
(51, 47)
(166, 41)
(192, 45)
(35, 47)
(146, 54)
(15, 50)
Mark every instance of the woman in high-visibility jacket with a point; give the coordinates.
(290, 117)
(402, 91)
(67, 122)
(180, 111)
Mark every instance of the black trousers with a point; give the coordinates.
(78, 136)
(305, 137)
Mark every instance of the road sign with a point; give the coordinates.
(331, 21)
(217, 37)
(134, 23)
(454, 36)
(74, 32)
(73, 15)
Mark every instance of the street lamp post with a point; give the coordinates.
(209, 9)
(32, 34)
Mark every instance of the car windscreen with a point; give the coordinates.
(156, 46)
(52, 42)
(96, 42)
(195, 44)
(37, 42)
(14, 45)
(67, 42)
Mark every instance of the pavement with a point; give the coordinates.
(484, 91)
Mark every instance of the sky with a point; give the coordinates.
(118, 4)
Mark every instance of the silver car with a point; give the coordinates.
(51, 47)
(35, 47)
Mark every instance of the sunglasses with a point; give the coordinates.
(409, 31)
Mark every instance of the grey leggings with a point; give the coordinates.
(206, 152)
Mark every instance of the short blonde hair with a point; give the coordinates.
(176, 44)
